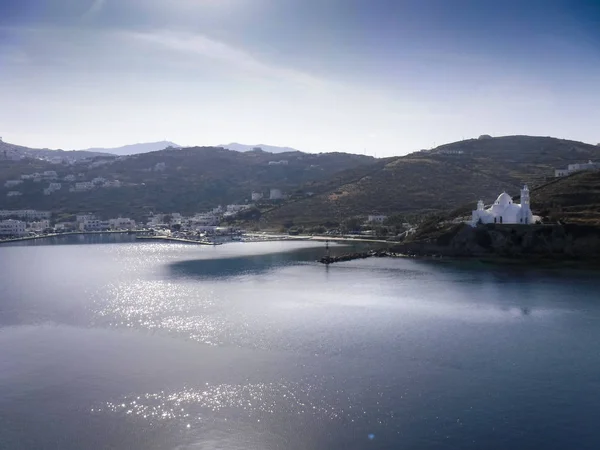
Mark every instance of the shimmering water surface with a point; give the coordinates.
(109, 343)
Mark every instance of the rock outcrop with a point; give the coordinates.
(554, 242)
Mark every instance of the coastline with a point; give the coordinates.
(69, 233)
(172, 239)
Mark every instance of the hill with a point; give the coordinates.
(184, 180)
(321, 188)
(135, 149)
(265, 148)
(15, 152)
(441, 179)
(573, 199)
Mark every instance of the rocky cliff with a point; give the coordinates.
(553, 242)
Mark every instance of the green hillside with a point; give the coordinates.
(183, 180)
(322, 188)
(574, 199)
(447, 177)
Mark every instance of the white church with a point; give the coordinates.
(504, 210)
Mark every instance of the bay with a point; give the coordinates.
(110, 343)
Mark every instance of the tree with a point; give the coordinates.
(351, 224)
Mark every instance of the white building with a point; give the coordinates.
(69, 178)
(40, 225)
(80, 218)
(236, 208)
(94, 225)
(256, 196)
(283, 162)
(111, 184)
(12, 227)
(275, 194)
(102, 162)
(121, 223)
(155, 220)
(12, 183)
(64, 226)
(99, 180)
(82, 186)
(504, 210)
(13, 194)
(572, 168)
(52, 187)
(50, 174)
(376, 218)
(205, 219)
(29, 214)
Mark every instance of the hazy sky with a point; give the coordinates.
(385, 76)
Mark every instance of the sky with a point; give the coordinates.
(381, 77)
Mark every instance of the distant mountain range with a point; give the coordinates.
(135, 149)
(14, 152)
(19, 151)
(265, 148)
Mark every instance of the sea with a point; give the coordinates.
(109, 343)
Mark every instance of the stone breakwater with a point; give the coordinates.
(355, 255)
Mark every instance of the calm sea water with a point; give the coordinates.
(125, 345)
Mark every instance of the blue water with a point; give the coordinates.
(109, 343)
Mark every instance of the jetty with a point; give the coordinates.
(173, 239)
(327, 259)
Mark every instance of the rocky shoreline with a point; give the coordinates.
(541, 245)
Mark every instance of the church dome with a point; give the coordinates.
(504, 199)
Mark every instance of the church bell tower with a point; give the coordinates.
(525, 198)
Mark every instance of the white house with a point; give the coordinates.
(121, 223)
(40, 225)
(98, 180)
(504, 210)
(12, 227)
(376, 218)
(205, 219)
(276, 194)
(572, 168)
(13, 194)
(236, 208)
(94, 225)
(256, 196)
(82, 186)
(12, 183)
(52, 187)
(80, 218)
(28, 214)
